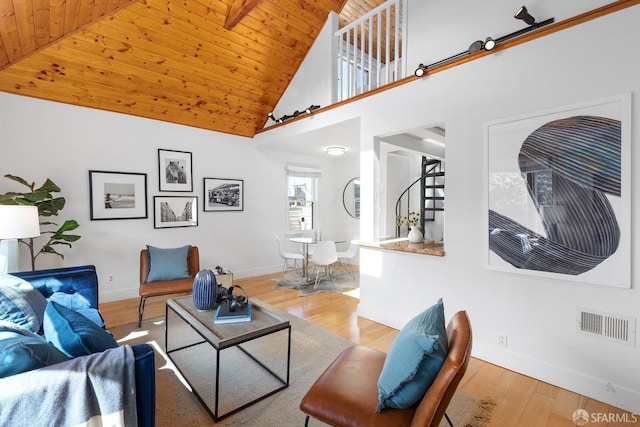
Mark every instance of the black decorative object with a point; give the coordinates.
(236, 302)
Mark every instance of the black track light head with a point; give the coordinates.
(524, 14)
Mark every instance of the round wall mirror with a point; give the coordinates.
(351, 197)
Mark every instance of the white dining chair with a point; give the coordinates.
(345, 257)
(290, 259)
(323, 256)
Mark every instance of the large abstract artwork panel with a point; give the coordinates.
(558, 196)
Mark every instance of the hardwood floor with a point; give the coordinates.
(521, 400)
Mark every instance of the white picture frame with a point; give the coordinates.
(546, 212)
(175, 211)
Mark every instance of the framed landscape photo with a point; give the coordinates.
(117, 195)
(175, 211)
(223, 194)
(175, 170)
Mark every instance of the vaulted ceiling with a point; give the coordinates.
(214, 64)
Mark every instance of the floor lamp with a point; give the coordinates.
(16, 222)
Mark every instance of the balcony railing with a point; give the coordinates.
(371, 50)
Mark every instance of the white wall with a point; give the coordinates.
(49, 140)
(591, 61)
(312, 84)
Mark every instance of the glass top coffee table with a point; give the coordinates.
(227, 355)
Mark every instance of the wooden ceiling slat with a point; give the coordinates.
(264, 24)
(236, 39)
(86, 11)
(170, 91)
(26, 25)
(162, 44)
(302, 20)
(186, 45)
(239, 9)
(9, 30)
(100, 8)
(179, 106)
(41, 17)
(103, 100)
(4, 59)
(56, 19)
(203, 33)
(71, 14)
(146, 70)
(169, 60)
(186, 69)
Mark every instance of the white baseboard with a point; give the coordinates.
(594, 388)
(385, 317)
(118, 295)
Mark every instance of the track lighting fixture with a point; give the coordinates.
(490, 43)
(296, 113)
(487, 45)
(524, 14)
(421, 70)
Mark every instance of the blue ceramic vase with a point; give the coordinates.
(205, 290)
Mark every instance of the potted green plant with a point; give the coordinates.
(48, 206)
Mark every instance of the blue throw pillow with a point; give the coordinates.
(21, 303)
(168, 264)
(74, 334)
(21, 353)
(414, 360)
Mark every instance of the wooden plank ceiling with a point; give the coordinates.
(213, 64)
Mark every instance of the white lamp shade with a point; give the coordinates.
(19, 222)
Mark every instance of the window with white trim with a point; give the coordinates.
(302, 189)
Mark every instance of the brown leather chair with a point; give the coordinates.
(346, 393)
(165, 287)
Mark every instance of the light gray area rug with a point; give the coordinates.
(343, 282)
(312, 350)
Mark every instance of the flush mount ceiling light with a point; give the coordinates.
(335, 150)
(524, 14)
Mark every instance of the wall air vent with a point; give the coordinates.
(612, 327)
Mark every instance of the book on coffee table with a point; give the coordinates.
(224, 315)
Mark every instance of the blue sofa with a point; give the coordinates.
(76, 288)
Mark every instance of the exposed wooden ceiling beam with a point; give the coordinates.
(238, 10)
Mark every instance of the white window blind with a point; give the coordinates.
(303, 172)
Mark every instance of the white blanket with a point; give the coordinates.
(95, 390)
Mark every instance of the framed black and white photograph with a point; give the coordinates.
(117, 195)
(223, 194)
(175, 170)
(175, 211)
(558, 196)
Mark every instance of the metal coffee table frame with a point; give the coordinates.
(225, 336)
